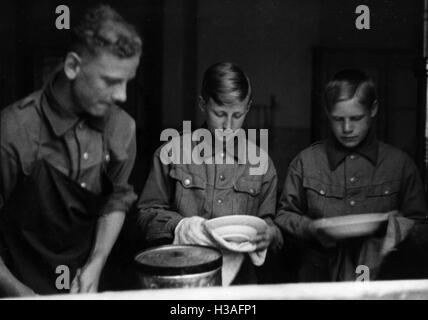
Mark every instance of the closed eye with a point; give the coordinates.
(357, 118)
(220, 114)
(112, 81)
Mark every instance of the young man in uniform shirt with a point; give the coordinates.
(66, 155)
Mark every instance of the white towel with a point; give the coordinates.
(257, 257)
(194, 231)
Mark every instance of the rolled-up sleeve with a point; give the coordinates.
(9, 133)
(8, 162)
(157, 217)
(122, 196)
(292, 204)
(8, 174)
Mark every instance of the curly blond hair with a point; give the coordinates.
(102, 29)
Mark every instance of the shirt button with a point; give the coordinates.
(86, 156)
(220, 201)
(222, 177)
(386, 192)
(352, 157)
(352, 179)
(107, 157)
(252, 191)
(83, 185)
(186, 182)
(322, 192)
(352, 203)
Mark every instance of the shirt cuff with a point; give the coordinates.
(173, 222)
(119, 202)
(307, 231)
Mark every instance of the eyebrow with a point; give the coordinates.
(353, 116)
(112, 78)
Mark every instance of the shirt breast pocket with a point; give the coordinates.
(323, 199)
(383, 197)
(190, 191)
(247, 196)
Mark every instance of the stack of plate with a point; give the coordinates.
(357, 225)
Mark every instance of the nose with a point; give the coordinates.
(227, 124)
(347, 126)
(119, 93)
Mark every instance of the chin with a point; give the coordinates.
(98, 111)
(350, 144)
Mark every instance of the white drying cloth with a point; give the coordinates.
(194, 231)
(257, 257)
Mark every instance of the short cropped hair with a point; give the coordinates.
(102, 29)
(225, 83)
(348, 84)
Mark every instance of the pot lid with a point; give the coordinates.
(179, 260)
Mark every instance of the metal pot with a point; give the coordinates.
(179, 266)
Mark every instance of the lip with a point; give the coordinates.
(107, 104)
(349, 138)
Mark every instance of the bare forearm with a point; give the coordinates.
(108, 228)
(10, 286)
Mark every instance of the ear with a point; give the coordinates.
(249, 105)
(327, 113)
(72, 65)
(374, 109)
(201, 104)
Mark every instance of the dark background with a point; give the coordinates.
(289, 48)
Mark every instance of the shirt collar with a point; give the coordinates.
(61, 119)
(336, 153)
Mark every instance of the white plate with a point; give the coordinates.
(240, 219)
(236, 233)
(237, 228)
(350, 226)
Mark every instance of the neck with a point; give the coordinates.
(61, 88)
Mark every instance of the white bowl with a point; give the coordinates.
(237, 228)
(236, 233)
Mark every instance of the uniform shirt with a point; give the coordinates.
(326, 180)
(37, 126)
(176, 191)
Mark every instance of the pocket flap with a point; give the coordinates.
(323, 189)
(186, 178)
(384, 189)
(251, 187)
